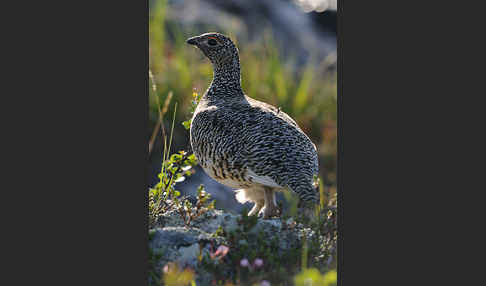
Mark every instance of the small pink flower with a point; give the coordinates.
(170, 267)
(264, 283)
(244, 262)
(220, 252)
(166, 268)
(258, 262)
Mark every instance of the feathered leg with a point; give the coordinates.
(254, 195)
(256, 208)
(270, 209)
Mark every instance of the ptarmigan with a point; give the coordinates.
(247, 144)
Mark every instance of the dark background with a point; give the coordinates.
(76, 215)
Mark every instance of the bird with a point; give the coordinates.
(246, 144)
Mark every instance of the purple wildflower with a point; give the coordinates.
(264, 283)
(244, 262)
(258, 262)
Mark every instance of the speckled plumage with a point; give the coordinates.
(245, 143)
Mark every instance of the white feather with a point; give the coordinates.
(241, 196)
(263, 180)
(249, 195)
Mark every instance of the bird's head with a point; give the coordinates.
(219, 49)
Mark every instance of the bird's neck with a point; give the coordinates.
(226, 82)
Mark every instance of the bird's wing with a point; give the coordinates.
(263, 180)
(270, 108)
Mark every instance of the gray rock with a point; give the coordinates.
(173, 237)
(189, 255)
(182, 244)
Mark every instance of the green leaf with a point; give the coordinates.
(330, 278)
(175, 157)
(312, 276)
(187, 124)
(211, 205)
(192, 159)
(187, 167)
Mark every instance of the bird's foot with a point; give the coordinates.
(268, 211)
(256, 209)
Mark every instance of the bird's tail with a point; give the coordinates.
(308, 193)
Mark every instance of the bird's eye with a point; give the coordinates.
(212, 42)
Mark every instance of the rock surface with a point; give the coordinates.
(172, 241)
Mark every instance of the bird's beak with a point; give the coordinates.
(192, 41)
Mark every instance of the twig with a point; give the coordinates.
(159, 124)
(184, 158)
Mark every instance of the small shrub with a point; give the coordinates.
(163, 197)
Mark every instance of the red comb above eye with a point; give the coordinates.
(212, 38)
